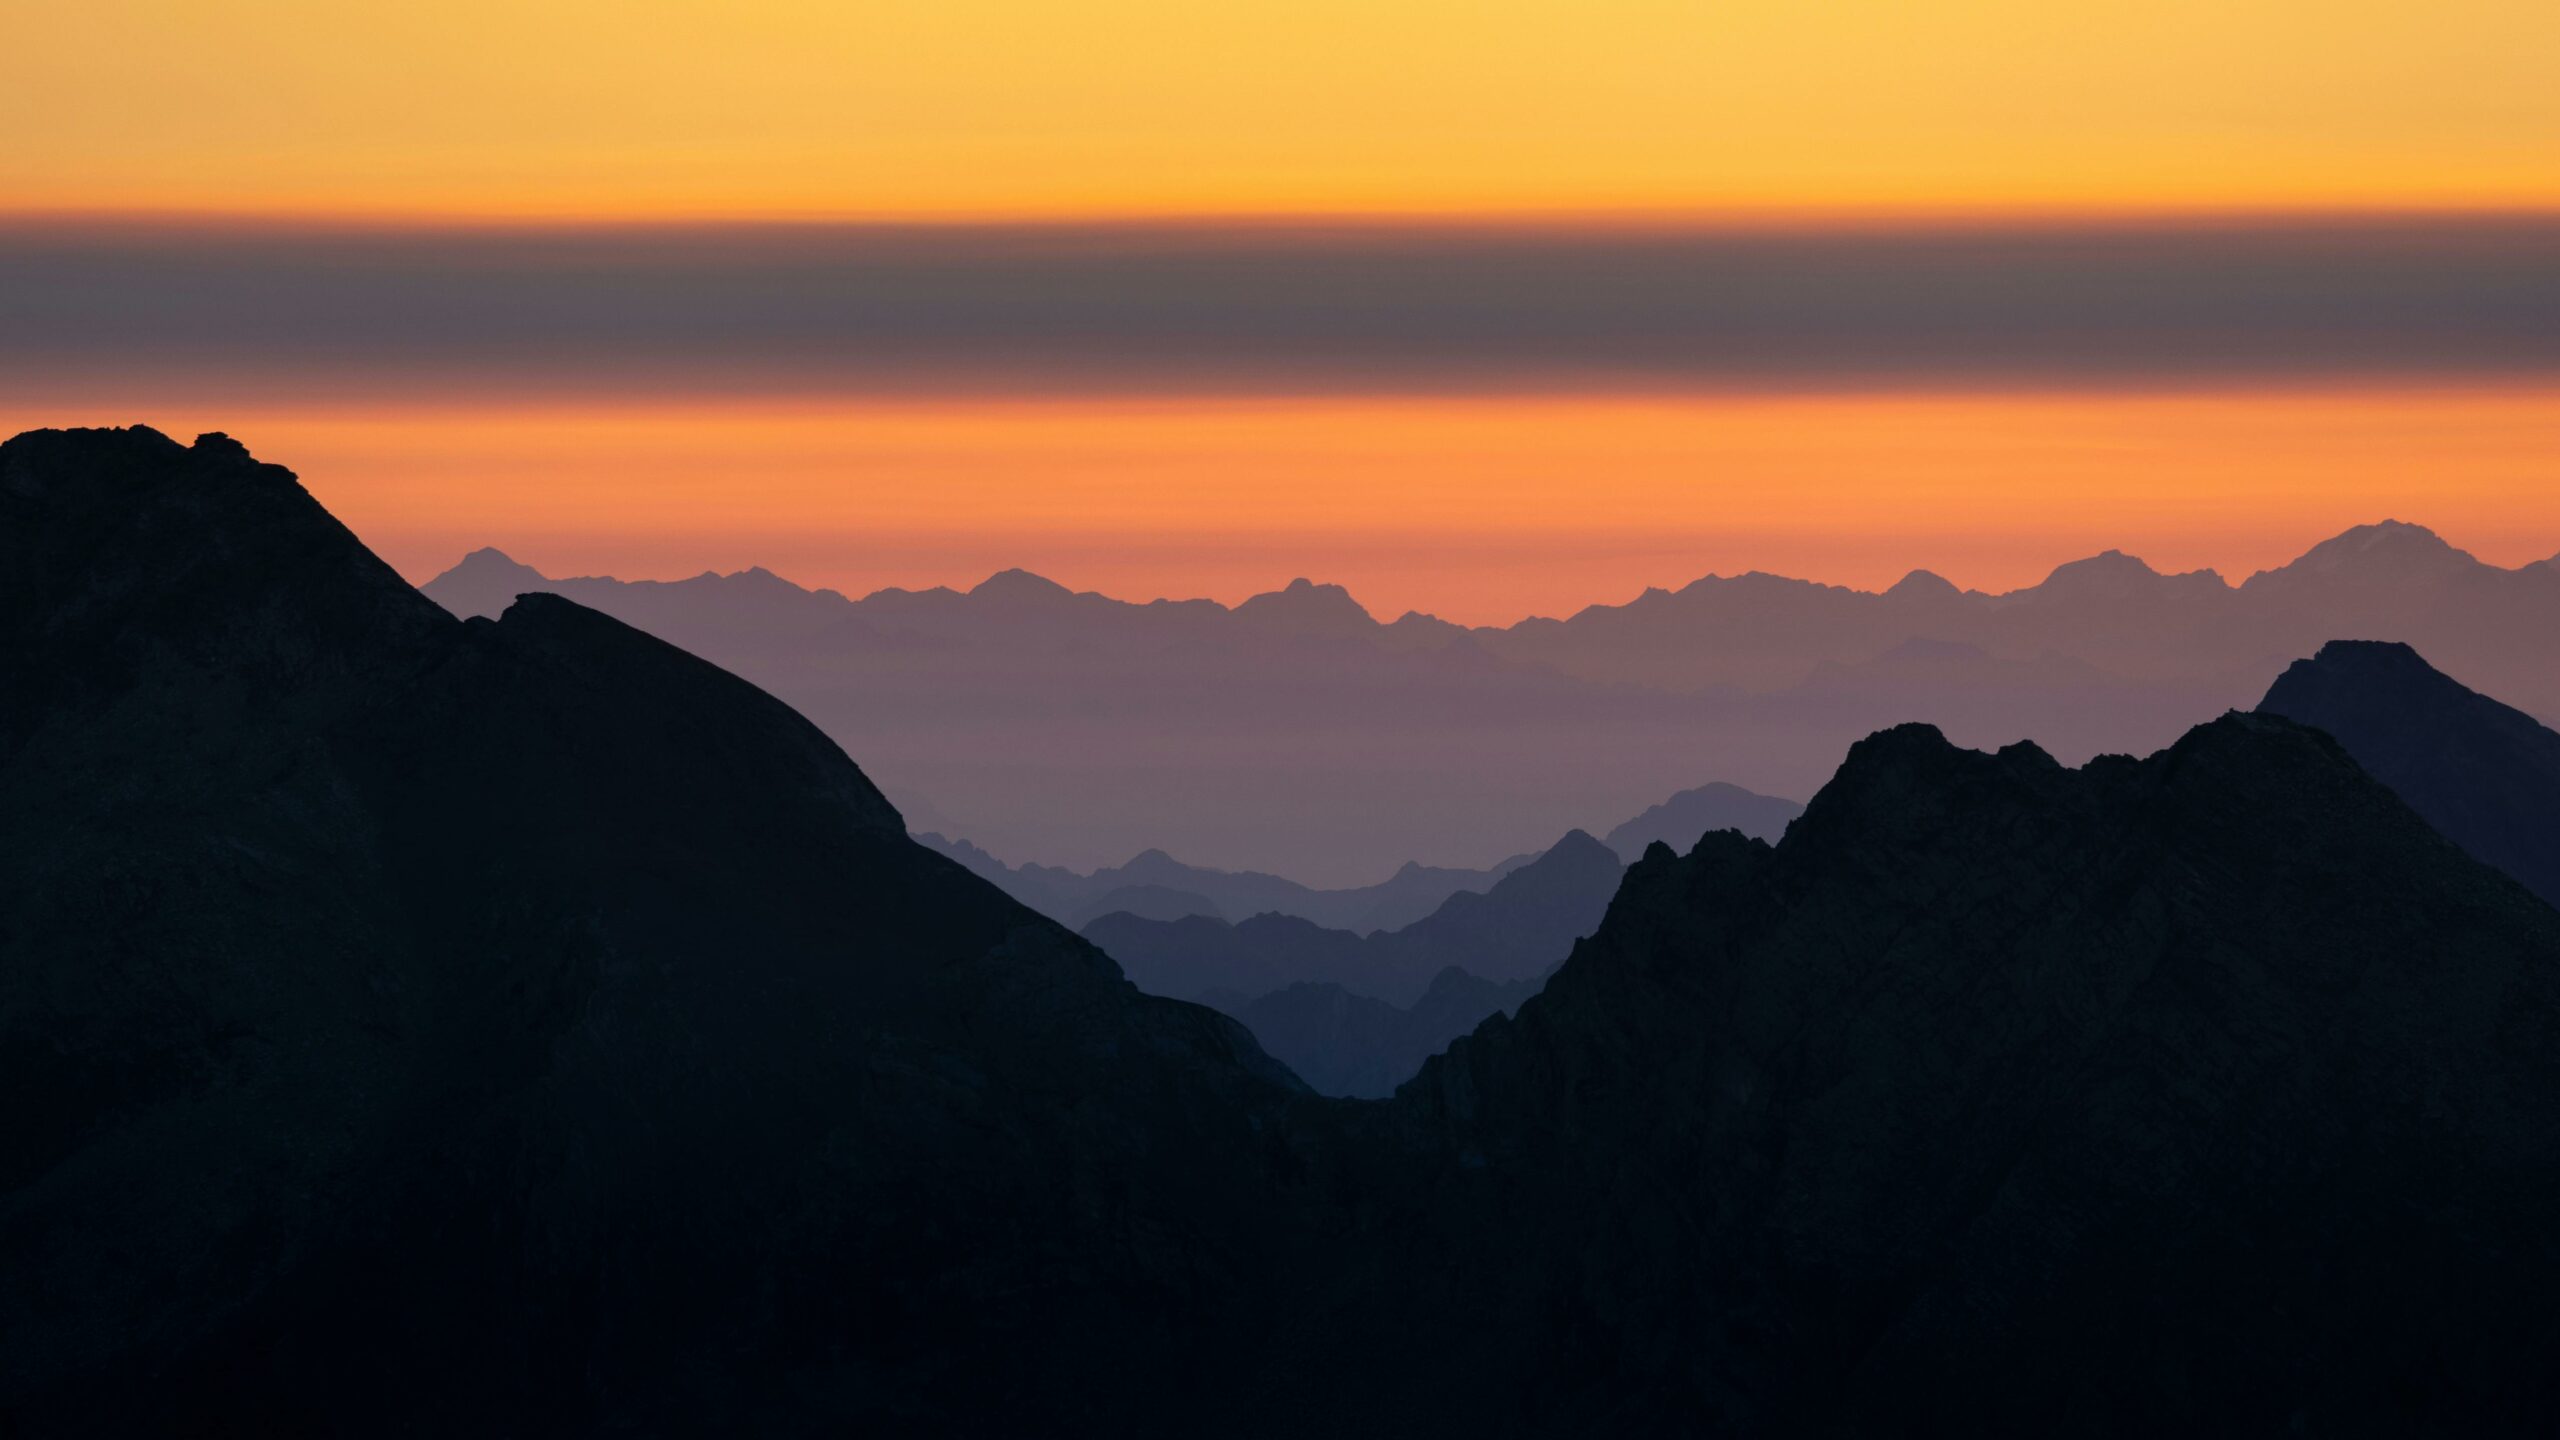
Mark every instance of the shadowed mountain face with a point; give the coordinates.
(1296, 735)
(1517, 930)
(523, 1023)
(523, 1027)
(2006, 1097)
(2486, 774)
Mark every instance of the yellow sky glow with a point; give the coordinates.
(783, 107)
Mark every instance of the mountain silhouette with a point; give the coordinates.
(1295, 735)
(522, 1024)
(419, 1026)
(2486, 774)
(1515, 931)
(2213, 1089)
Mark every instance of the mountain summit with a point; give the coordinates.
(2486, 774)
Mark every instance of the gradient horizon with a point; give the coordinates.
(1560, 477)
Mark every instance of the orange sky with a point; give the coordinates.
(300, 110)
(1478, 511)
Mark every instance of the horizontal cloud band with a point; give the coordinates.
(1270, 308)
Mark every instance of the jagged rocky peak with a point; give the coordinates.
(115, 540)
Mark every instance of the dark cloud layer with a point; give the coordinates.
(1142, 309)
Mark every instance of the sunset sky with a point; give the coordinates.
(1482, 308)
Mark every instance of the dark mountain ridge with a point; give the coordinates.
(522, 1024)
(524, 1027)
(2005, 1098)
(2485, 774)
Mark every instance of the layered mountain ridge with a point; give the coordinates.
(1295, 735)
(521, 1025)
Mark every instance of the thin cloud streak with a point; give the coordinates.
(244, 310)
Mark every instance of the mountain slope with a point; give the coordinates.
(2486, 774)
(523, 1024)
(2210, 1090)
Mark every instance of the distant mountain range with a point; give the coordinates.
(1154, 886)
(522, 1026)
(1519, 929)
(1336, 1002)
(1295, 735)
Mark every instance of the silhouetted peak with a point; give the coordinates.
(2484, 773)
(490, 565)
(1923, 585)
(1578, 846)
(1152, 864)
(2110, 571)
(1303, 605)
(2357, 673)
(2388, 551)
(1900, 780)
(197, 533)
(2381, 656)
(2027, 753)
(758, 579)
(1019, 585)
(1577, 854)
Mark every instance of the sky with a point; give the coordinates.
(1484, 309)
